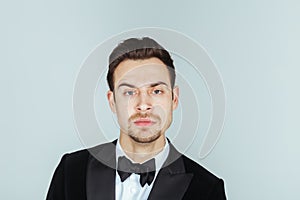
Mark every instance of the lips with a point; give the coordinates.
(144, 122)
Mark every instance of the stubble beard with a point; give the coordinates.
(145, 134)
(136, 136)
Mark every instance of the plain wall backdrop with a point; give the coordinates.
(255, 45)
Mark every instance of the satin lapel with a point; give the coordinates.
(172, 180)
(168, 186)
(101, 173)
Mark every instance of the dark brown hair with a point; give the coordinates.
(136, 49)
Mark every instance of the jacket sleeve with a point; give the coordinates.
(218, 192)
(57, 186)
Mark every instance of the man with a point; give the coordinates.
(142, 163)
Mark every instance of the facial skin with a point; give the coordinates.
(142, 101)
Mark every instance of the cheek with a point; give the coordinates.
(127, 105)
(162, 110)
(163, 105)
(124, 110)
(122, 119)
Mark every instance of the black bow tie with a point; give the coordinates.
(145, 170)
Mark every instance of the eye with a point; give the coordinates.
(129, 93)
(157, 91)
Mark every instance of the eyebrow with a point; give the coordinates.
(151, 85)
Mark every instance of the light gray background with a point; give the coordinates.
(255, 45)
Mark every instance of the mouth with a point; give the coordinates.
(144, 122)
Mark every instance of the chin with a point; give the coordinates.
(145, 140)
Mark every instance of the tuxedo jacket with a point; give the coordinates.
(90, 175)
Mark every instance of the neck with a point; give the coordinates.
(140, 152)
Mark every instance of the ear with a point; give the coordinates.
(175, 97)
(111, 101)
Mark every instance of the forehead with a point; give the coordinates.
(141, 72)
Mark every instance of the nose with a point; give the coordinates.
(143, 102)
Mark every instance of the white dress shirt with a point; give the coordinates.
(131, 187)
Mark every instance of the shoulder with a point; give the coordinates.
(202, 176)
(204, 183)
(82, 155)
(79, 154)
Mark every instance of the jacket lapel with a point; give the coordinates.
(100, 183)
(172, 180)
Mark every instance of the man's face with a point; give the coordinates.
(142, 99)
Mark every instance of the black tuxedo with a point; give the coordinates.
(80, 176)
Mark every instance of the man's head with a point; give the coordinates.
(138, 49)
(141, 79)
